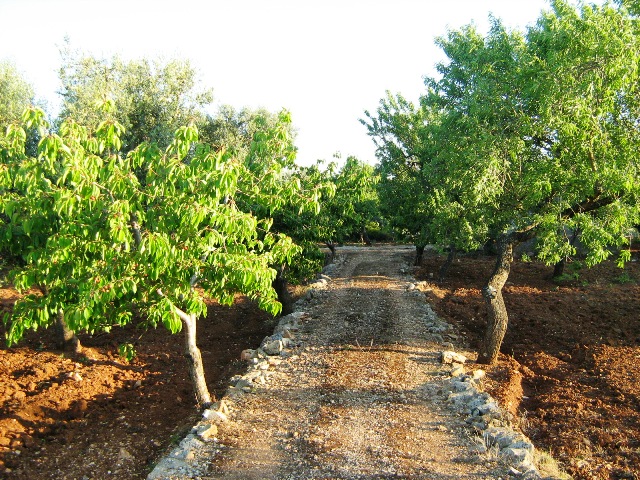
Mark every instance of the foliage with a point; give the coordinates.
(15, 94)
(523, 135)
(151, 99)
(116, 235)
(127, 351)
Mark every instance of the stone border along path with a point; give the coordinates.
(358, 383)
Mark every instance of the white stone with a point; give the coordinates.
(449, 356)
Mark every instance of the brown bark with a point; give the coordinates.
(558, 268)
(194, 360)
(65, 338)
(280, 286)
(419, 255)
(365, 237)
(332, 247)
(444, 269)
(497, 317)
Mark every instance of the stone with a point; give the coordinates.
(516, 455)
(247, 355)
(273, 347)
(243, 383)
(504, 437)
(124, 455)
(75, 376)
(215, 416)
(78, 409)
(449, 357)
(461, 398)
(206, 431)
(286, 333)
(457, 370)
(19, 396)
(478, 374)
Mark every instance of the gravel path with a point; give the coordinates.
(362, 395)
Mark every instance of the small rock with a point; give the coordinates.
(247, 354)
(457, 370)
(478, 374)
(27, 440)
(78, 409)
(215, 416)
(124, 455)
(206, 431)
(449, 357)
(75, 376)
(19, 396)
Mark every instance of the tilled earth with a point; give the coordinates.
(569, 373)
(570, 367)
(95, 416)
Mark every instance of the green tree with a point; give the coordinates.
(536, 135)
(105, 245)
(152, 99)
(16, 94)
(554, 123)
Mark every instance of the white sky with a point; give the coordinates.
(326, 61)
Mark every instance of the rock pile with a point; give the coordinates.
(486, 416)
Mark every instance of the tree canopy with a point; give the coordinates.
(108, 238)
(523, 135)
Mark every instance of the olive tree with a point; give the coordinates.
(152, 98)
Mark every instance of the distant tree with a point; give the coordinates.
(16, 94)
(235, 129)
(152, 99)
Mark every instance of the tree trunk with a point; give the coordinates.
(280, 286)
(194, 360)
(365, 237)
(419, 255)
(444, 269)
(497, 317)
(558, 268)
(332, 247)
(65, 338)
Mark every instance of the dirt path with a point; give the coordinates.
(363, 397)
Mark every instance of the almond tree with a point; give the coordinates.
(154, 233)
(537, 136)
(554, 118)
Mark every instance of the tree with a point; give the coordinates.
(116, 235)
(536, 135)
(15, 94)
(152, 99)
(398, 130)
(555, 123)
